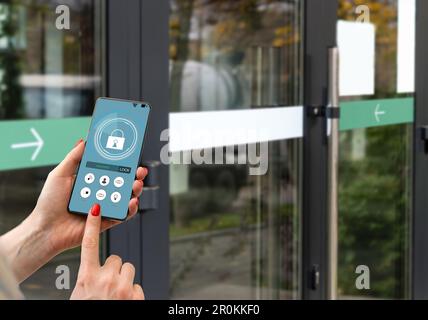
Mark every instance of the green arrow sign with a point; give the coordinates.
(375, 113)
(38, 143)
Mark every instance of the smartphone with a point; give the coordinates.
(112, 154)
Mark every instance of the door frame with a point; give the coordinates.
(137, 69)
(320, 34)
(419, 245)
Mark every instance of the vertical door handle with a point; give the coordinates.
(333, 114)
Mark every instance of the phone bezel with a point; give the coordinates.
(132, 104)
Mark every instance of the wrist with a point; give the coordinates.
(36, 227)
(27, 247)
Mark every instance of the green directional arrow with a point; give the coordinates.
(374, 113)
(37, 143)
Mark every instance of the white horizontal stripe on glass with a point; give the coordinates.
(211, 129)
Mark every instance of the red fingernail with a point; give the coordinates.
(78, 142)
(95, 210)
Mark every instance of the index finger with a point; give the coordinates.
(91, 239)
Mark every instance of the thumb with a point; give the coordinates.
(69, 165)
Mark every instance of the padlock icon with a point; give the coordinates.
(116, 140)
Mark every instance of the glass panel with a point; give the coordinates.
(375, 176)
(235, 236)
(235, 54)
(45, 73)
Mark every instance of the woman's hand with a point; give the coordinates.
(65, 229)
(113, 280)
(50, 228)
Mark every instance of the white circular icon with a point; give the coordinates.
(89, 178)
(115, 197)
(85, 193)
(118, 182)
(116, 139)
(104, 181)
(101, 194)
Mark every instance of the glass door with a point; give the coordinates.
(376, 40)
(241, 184)
(236, 95)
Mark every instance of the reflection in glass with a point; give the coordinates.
(44, 73)
(235, 54)
(235, 236)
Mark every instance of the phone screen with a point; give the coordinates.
(112, 154)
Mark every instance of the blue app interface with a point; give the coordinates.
(107, 170)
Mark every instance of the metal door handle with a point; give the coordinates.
(333, 109)
(150, 198)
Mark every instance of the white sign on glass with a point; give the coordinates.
(356, 42)
(406, 46)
